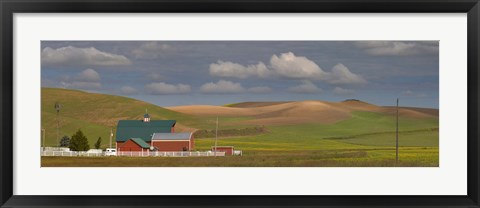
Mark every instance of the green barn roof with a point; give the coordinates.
(127, 129)
(140, 142)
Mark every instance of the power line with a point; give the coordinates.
(216, 138)
(396, 139)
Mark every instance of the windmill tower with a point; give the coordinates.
(58, 106)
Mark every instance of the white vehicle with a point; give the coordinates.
(110, 152)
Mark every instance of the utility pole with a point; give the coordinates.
(111, 135)
(58, 126)
(216, 138)
(43, 136)
(396, 140)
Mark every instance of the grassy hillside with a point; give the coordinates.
(296, 133)
(94, 113)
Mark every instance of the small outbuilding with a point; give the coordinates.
(229, 150)
(175, 142)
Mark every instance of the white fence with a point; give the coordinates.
(63, 149)
(238, 152)
(131, 154)
(170, 154)
(71, 153)
(95, 151)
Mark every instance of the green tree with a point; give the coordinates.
(79, 142)
(98, 143)
(65, 141)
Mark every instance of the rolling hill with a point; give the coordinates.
(299, 112)
(284, 125)
(95, 114)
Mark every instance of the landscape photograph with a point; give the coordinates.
(239, 104)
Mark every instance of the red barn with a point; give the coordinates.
(166, 142)
(134, 145)
(143, 129)
(227, 149)
(151, 135)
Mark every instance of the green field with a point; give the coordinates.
(410, 157)
(365, 130)
(365, 139)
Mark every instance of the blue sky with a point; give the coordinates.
(170, 73)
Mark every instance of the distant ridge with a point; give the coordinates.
(255, 104)
(297, 112)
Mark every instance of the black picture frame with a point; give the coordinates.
(10, 7)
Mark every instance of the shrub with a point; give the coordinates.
(65, 141)
(79, 142)
(98, 143)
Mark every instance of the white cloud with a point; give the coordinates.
(230, 69)
(260, 90)
(342, 75)
(397, 48)
(161, 88)
(88, 75)
(221, 86)
(305, 87)
(128, 90)
(86, 79)
(290, 66)
(152, 50)
(81, 56)
(342, 91)
(287, 65)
